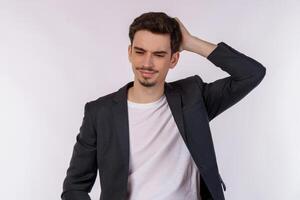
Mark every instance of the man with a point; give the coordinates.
(151, 140)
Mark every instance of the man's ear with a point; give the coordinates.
(129, 53)
(174, 59)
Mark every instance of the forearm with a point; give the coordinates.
(200, 46)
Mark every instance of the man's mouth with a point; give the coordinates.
(147, 73)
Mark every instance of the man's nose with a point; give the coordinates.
(148, 60)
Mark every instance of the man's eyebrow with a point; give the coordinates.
(141, 49)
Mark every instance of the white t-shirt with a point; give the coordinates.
(160, 165)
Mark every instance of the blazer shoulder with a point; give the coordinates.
(188, 85)
(182, 83)
(101, 103)
(189, 89)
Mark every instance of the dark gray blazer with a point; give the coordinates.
(103, 140)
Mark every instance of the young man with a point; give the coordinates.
(151, 140)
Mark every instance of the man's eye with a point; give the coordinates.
(139, 52)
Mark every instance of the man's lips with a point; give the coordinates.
(147, 73)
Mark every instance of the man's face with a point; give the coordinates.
(150, 56)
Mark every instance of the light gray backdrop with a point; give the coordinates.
(55, 55)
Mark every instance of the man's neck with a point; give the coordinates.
(141, 94)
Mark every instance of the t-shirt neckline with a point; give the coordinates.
(145, 105)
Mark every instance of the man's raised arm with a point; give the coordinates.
(245, 73)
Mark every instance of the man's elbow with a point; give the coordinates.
(259, 75)
(262, 72)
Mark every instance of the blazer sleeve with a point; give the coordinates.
(245, 74)
(82, 170)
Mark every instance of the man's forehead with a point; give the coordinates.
(151, 42)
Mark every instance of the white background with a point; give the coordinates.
(55, 55)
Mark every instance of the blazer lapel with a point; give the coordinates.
(120, 115)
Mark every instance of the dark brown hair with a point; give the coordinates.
(158, 22)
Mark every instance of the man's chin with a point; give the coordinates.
(147, 83)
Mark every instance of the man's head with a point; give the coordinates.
(155, 41)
